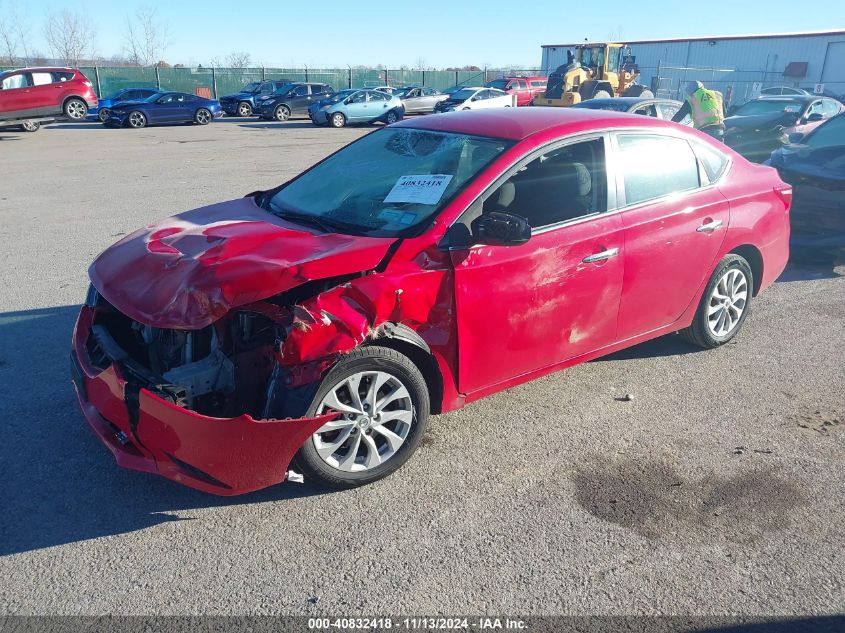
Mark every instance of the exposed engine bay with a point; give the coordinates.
(223, 370)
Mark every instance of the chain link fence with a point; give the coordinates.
(221, 81)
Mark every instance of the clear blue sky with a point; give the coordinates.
(440, 32)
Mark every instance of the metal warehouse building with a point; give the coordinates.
(738, 65)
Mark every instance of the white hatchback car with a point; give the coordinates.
(476, 99)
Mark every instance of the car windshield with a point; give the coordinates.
(770, 106)
(602, 105)
(830, 134)
(402, 92)
(501, 84)
(340, 96)
(252, 86)
(387, 184)
(452, 90)
(463, 95)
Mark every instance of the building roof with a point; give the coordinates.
(717, 38)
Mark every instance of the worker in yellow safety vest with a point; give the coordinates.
(706, 109)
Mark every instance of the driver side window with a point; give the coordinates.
(358, 97)
(562, 184)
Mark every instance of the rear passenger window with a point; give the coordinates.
(41, 79)
(62, 76)
(713, 160)
(653, 166)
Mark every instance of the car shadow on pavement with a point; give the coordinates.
(81, 125)
(667, 345)
(60, 485)
(278, 125)
(807, 271)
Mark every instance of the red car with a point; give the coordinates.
(30, 95)
(525, 88)
(422, 267)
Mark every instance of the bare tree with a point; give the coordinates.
(420, 63)
(146, 37)
(238, 59)
(14, 34)
(70, 36)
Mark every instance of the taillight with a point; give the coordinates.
(784, 192)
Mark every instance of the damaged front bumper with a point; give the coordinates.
(131, 413)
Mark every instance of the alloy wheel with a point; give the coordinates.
(391, 118)
(727, 302)
(282, 113)
(76, 110)
(244, 109)
(203, 117)
(376, 416)
(137, 120)
(103, 114)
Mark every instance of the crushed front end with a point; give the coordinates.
(208, 408)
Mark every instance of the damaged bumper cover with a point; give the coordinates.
(134, 414)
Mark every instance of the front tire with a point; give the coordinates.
(724, 304)
(282, 113)
(601, 94)
(244, 109)
(103, 114)
(137, 119)
(76, 109)
(384, 403)
(337, 120)
(202, 117)
(30, 126)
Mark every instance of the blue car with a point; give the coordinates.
(165, 107)
(127, 94)
(357, 106)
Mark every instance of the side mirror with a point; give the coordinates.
(815, 116)
(474, 99)
(795, 137)
(347, 101)
(499, 228)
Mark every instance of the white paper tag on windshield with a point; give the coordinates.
(426, 189)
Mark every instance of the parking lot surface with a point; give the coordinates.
(715, 488)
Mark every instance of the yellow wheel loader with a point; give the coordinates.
(595, 71)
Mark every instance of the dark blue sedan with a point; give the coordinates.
(127, 94)
(167, 107)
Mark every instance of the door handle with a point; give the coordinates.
(598, 257)
(709, 227)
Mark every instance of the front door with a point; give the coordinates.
(523, 308)
(357, 109)
(674, 229)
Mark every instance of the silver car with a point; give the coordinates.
(419, 99)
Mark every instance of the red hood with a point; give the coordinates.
(189, 270)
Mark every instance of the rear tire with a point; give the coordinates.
(601, 94)
(724, 304)
(391, 117)
(76, 109)
(380, 447)
(202, 117)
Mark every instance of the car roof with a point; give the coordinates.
(804, 98)
(520, 123)
(630, 100)
(41, 69)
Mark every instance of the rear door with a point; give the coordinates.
(45, 93)
(675, 223)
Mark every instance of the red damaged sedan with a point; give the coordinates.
(424, 266)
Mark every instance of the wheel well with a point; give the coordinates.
(425, 362)
(755, 259)
(69, 97)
